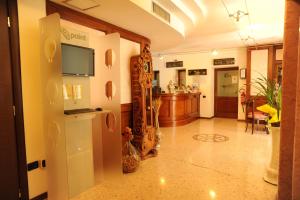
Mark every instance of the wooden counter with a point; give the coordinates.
(179, 109)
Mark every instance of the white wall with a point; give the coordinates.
(201, 60)
(29, 14)
(127, 49)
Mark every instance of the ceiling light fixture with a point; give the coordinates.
(238, 15)
(248, 38)
(180, 5)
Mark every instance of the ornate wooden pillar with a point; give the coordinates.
(290, 103)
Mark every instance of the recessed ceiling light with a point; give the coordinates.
(212, 194)
(82, 4)
(214, 52)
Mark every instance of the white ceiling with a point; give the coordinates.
(213, 28)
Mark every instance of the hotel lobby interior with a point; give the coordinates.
(150, 99)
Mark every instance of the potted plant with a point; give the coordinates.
(272, 91)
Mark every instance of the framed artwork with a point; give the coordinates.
(192, 72)
(174, 64)
(224, 61)
(243, 73)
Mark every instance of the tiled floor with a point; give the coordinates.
(188, 169)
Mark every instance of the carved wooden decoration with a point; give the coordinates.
(109, 90)
(110, 122)
(141, 92)
(109, 58)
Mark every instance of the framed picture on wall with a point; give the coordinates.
(243, 73)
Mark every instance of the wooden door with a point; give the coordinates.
(9, 176)
(226, 92)
(195, 105)
(181, 77)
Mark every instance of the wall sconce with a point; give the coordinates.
(109, 58)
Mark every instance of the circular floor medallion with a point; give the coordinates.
(210, 138)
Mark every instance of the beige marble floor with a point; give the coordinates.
(187, 169)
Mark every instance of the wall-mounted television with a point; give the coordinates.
(77, 61)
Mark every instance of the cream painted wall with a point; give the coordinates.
(259, 67)
(202, 60)
(29, 14)
(127, 49)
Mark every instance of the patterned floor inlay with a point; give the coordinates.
(210, 138)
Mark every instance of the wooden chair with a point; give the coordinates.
(252, 115)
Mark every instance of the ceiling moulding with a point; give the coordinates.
(182, 52)
(182, 6)
(82, 4)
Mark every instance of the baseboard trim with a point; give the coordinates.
(42, 196)
(206, 117)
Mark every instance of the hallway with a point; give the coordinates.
(231, 168)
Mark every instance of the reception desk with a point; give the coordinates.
(178, 109)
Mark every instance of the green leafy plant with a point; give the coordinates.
(272, 91)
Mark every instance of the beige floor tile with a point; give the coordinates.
(190, 169)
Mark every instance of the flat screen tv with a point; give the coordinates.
(77, 61)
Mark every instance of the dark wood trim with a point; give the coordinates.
(18, 100)
(248, 73)
(289, 170)
(265, 46)
(126, 107)
(207, 117)
(178, 76)
(42, 196)
(94, 23)
(271, 62)
(126, 116)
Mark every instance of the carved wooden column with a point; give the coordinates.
(141, 92)
(289, 105)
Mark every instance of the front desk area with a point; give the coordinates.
(123, 114)
(178, 109)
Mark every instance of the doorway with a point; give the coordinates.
(13, 167)
(181, 77)
(226, 92)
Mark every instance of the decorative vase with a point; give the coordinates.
(130, 156)
(271, 174)
(131, 159)
(156, 107)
